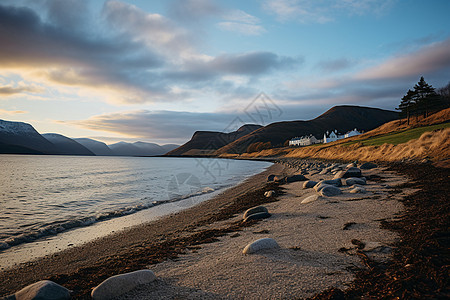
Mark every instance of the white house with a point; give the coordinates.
(334, 136)
(331, 137)
(304, 141)
(352, 133)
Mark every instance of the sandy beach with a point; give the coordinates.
(197, 253)
(310, 236)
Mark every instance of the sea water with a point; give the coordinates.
(47, 196)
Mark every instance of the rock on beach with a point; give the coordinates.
(295, 178)
(330, 190)
(355, 180)
(309, 184)
(350, 172)
(258, 216)
(44, 289)
(254, 210)
(368, 166)
(261, 244)
(310, 199)
(119, 284)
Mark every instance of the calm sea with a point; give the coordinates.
(44, 196)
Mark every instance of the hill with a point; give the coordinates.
(19, 137)
(65, 145)
(341, 118)
(98, 148)
(140, 149)
(394, 141)
(205, 142)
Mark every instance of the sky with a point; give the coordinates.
(157, 71)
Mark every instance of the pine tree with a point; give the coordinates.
(407, 104)
(425, 97)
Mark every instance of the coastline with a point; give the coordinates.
(129, 240)
(196, 232)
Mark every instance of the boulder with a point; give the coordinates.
(319, 186)
(309, 184)
(254, 210)
(310, 199)
(355, 180)
(350, 172)
(269, 194)
(119, 284)
(257, 216)
(295, 178)
(261, 244)
(368, 166)
(336, 182)
(330, 190)
(358, 190)
(44, 289)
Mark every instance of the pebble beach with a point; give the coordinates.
(321, 239)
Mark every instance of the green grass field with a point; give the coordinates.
(399, 137)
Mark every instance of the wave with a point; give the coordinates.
(61, 226)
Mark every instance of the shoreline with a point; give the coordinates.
(208, 230)
(97, 251)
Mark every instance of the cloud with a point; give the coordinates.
(165, 126)
(124, 55)
(12, 112)
(429, 59)
(241, 22)
(335, 65)
(10, 90)
(323, 11)
(192, 11)
(234, 20)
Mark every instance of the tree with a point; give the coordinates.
(444, 93)
(425, 97)
(406, 106)
(422, 100)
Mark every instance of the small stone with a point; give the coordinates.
(272, 177)
(330, 191)
(254, 210)
(319, 186)
(324, 171)
(44, 289)
(351, 165)
(119, 284)
(355, 180)
(358, 190)
(350, 172)
(261, 244)
(310, 199)
(368, 166)
(336, 182)
(295, 178)
(309, 184)
(258, 216)
(269, 194)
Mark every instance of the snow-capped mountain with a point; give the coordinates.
(19, 137)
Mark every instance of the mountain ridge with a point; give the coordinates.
(342, 118)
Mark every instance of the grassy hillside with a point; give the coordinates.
(394, 141)
(399, 137)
